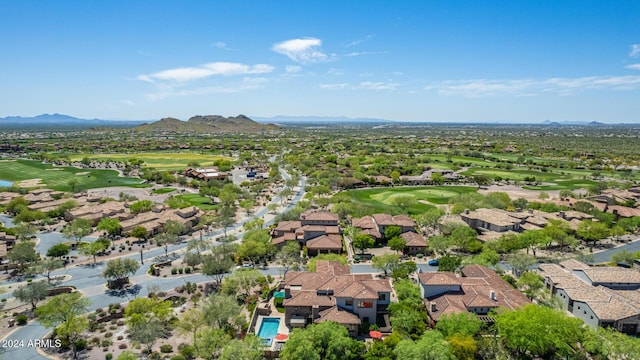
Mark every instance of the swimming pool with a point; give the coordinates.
(269, 329)
(5, 183)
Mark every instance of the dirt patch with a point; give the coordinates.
(516, 192)
(30, 183)
(56, 169)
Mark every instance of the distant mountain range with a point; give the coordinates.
(284, 119)
(60, 120)
(207, 124)
(579, 123)
(240, 123)
(196, 124)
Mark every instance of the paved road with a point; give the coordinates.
(88, 279)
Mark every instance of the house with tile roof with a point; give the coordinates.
(376, 224)
(333, 294)
(476, 289)
(600, 296)
(318, 231)
(415, 243)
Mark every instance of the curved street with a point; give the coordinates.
(88, 279)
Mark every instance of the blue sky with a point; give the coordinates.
(520, 61)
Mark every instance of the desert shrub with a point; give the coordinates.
(22, 319)
(166, 348)
(108, 356)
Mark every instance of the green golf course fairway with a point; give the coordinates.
(60, 178)
(382, 199)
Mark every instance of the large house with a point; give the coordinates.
(6, 244)
(318, 231)
(600, 296)
(427, 177)
(492, 223)
(333, 294)
(206, 173)
(477, 289)
(376, 224)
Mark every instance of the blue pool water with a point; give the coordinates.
(5, 183)
(269, 329)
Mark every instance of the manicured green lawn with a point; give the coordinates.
(163, 190)
(158, 160)
(382, 199)
(59, 178)
(198, 200)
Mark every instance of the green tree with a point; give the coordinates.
(439, 244)
(110, 225)
(23, 253)
(539, 331)
(46, 267)
(147, 319)
(64, 313)
(58, 250)
(463, 347)
(404, 202)
(248, 348)
(241, 282)
(288, 257)
(32, 292)
(530, 283)
(392, 231)
(94, 248)
(520, 262)
(25, 231)
(253, 224)
(430, 346)
(363, 242)
(591, 231)
(464, 323)
(141, 206)
(326, 340)
(449, 263)
(403, 270)
(397, 244)
(256, 246)
(430, 219)
(164, 240)
(222, 312)
(190, 324)
(217, 265)
(139, 233)
(78, 229)
(386, 263)
(118, 271)
(624, 256)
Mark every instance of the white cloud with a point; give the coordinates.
(301, 50)
(340, 86)
(128, 102)
(360, 41)
(293, 69)
(222, 45)
(533, 87)
(186, 74)
(635, 50)
(361, 53)
(247, 84)
(633, 66)
(369, 85)
(366, 85)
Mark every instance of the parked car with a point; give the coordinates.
(433, 262)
